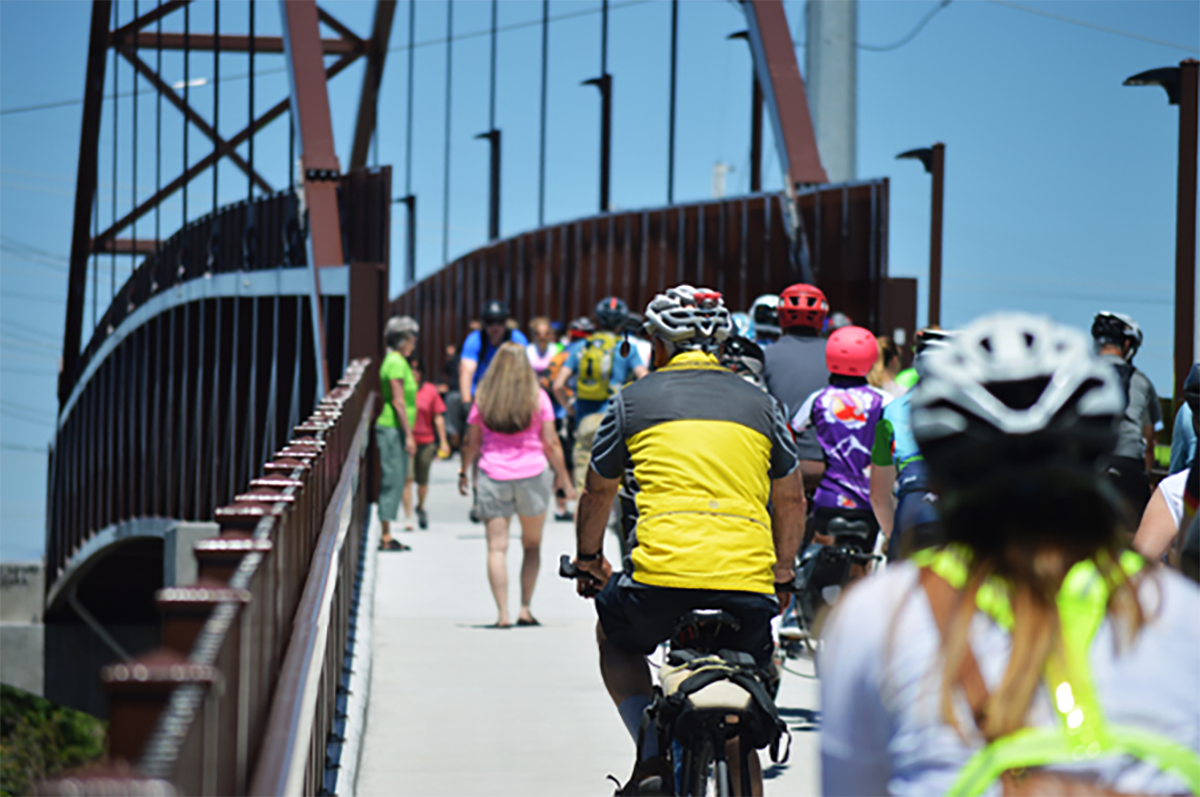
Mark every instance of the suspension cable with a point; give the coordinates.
(112, 280)
(542, 132)
(133, 250)
(216, 109)
(158, 151)
(187, 85)
(412, 23)
(446, 163)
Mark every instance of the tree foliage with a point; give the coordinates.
(39, 739)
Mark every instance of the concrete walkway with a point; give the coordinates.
(459, 709)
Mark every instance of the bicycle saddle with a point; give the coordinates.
(848, 531)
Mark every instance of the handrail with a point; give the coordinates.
(288, 737)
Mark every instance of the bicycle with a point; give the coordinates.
(707, 695)
(824, 571)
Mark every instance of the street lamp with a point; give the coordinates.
(1180, 83)
(934, 159)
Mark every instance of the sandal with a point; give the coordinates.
(498, 625)
(530, 622)
(394, 545)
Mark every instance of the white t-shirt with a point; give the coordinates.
(1172, 489)
(882, 729)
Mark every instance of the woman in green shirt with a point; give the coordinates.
(393, 428)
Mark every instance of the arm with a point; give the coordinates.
(590, 522)
(640, 371)
(1181, 439)
(439, 426)
(466, 375)
(560, 387)
(553, 450)
(1157, 530)
(883, 479)
(470, 451)
(1148, 434)
(788, 509)
(398, 404)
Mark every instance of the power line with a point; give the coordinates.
(1094, 26)
(45, 106)
(24, 297)
(905, 39)
(24, 449)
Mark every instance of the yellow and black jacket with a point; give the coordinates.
(704, 446)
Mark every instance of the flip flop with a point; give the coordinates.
(497, 625)
(394, 545)
(530, 622)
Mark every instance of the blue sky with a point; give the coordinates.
(1060, 194)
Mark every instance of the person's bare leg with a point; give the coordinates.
(406, 500)
(386, 536)
(531, 541)
(733, 756)
(422, 491)
(497, 542)
(625, 674)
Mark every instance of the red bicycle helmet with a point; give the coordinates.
(802, 305)
(851, 351)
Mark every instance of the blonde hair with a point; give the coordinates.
(537, 323)
(889, 353)
(508, 394)
(1034, 561)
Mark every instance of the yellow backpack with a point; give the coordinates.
(595, 367)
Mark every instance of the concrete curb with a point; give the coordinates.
(360, 681)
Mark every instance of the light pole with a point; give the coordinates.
(1180, 83)
(756, 120)
(934, 159)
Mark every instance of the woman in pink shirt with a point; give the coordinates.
(511, 436)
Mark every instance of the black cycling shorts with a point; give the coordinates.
(640, 617)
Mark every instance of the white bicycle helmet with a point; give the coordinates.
(1014, 390)
(765, 312)
(688, 318)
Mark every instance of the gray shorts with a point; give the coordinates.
(526, 497)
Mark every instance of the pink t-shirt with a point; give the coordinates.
(505, 457)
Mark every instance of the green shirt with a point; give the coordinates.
(396, 367)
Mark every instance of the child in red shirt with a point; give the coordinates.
(431, 419)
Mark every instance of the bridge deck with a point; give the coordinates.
(458, 709)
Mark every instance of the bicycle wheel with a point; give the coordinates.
(695, 775)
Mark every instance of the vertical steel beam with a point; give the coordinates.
(783, 90)
(314, 133)
(1185, 230)
(85, 194)
(937, 167)
(756, 136)
(368, 100)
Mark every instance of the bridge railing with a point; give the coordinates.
(243, 696)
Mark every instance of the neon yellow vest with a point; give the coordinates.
(1083, 733)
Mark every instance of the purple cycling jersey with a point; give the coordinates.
(844, 418)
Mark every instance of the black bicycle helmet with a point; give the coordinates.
(495, 311)
(612, 313)
(1110, 328)
(743, 356)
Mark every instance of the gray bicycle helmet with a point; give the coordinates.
(398, 327)
(1116, 328)
(688, 318)
(1014, 390)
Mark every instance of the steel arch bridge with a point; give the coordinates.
(223, 400)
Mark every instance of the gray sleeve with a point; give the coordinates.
(609, 453)
(784, 459)
(1153, 414)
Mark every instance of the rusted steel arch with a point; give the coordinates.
(304, 48)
